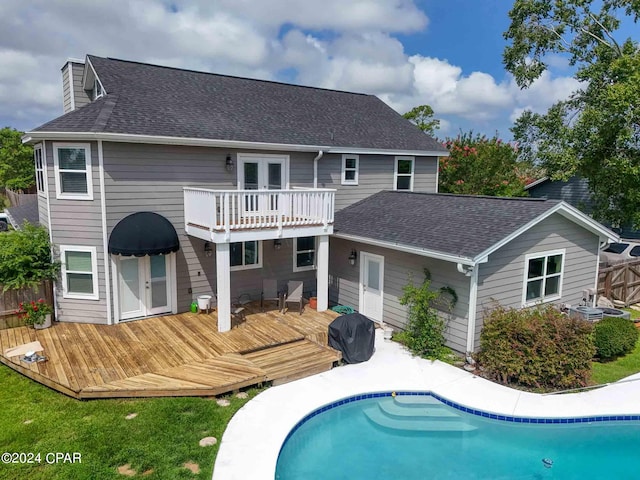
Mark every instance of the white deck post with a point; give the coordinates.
(223, 276)
(322, 273)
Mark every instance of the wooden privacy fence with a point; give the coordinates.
(11, 299)
(20, 198)
(620, 283)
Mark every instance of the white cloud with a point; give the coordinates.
(333, 44)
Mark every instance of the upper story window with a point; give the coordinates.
(72, 164)
(304, 253)
(543, 277)
(38, 156)
(79, 272)
(403, 175)
(97, 89)
(350, 164)
(246, 255)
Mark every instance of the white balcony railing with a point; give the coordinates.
(228, 210)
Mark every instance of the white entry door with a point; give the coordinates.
(144, 286)
(371, 285)
(261, 173)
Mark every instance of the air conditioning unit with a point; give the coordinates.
(614, 312)
(586, 313)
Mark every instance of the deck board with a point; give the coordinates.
(175, 355)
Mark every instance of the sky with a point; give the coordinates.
(445, 53)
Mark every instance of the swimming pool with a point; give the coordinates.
(414, 435)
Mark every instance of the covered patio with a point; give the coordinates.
(175, 355)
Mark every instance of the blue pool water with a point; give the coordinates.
(418, 437)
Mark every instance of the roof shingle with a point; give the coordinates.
(461, 225)
(152, 100)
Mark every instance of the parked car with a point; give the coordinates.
(624, 251)
(4, 222)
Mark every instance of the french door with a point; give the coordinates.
(261, 173)
(371, 285)
(144, 286)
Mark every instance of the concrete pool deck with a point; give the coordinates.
(254, 436)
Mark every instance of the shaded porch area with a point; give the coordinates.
(176, 355)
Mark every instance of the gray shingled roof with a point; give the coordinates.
(152, 100)
(27, 212)
(460, 225)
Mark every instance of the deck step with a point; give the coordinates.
(422, 410)
(416, 424)
(416, 400)
(294, 360)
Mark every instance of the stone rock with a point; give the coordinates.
(605, 302)
(126, 470)
(131, 416)
(223, 402)
(193, 467)
(208, 441)
(242, 395)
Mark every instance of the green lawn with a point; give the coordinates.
(162, 437)
(619, 368)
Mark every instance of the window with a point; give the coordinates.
(403, 175)
(543, 280)
(246, 255)
(304, 254)
(350, 169)
(40, 172)
(72, 164)
(97, 89)
(79, 272)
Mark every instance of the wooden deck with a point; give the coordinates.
(176, 355)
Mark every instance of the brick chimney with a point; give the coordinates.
(73, 95)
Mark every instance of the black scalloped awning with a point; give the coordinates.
(143, 233)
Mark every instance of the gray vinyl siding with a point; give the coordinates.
(398, 268)
(78, 223)
(375, 174)
(574, 191)
(152, 178)
(66, 90)
(80, 96)
(502, 277)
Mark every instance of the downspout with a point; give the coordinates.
(473, 302)
(315, 168)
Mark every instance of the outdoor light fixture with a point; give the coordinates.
(228, 164)
(353, 256)
(208, 251)
(277, 244)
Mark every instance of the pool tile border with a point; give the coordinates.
(457, 406)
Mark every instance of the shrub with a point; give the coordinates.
(614, 336)
(537, 347)
(424, 334)
(34, 313)
(25, 258)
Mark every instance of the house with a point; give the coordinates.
(517, 251)
(575, 191)
(158, 185)
(27, 212)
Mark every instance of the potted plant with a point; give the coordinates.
(36, 314)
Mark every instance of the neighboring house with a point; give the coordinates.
(574, 191)
(27, 212)
(160, 184)
(516, 251)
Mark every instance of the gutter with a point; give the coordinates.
(36, 136)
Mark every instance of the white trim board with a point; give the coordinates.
(31, 137)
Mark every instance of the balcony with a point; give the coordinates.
(223, 216)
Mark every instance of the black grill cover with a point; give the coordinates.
(353, 335)
(143, 233)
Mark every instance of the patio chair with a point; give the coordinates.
(294, 294)
(269, 292)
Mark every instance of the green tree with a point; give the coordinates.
(596, 132)
(422, 117)
(25, 258)
(478, 165)
(17, 169)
